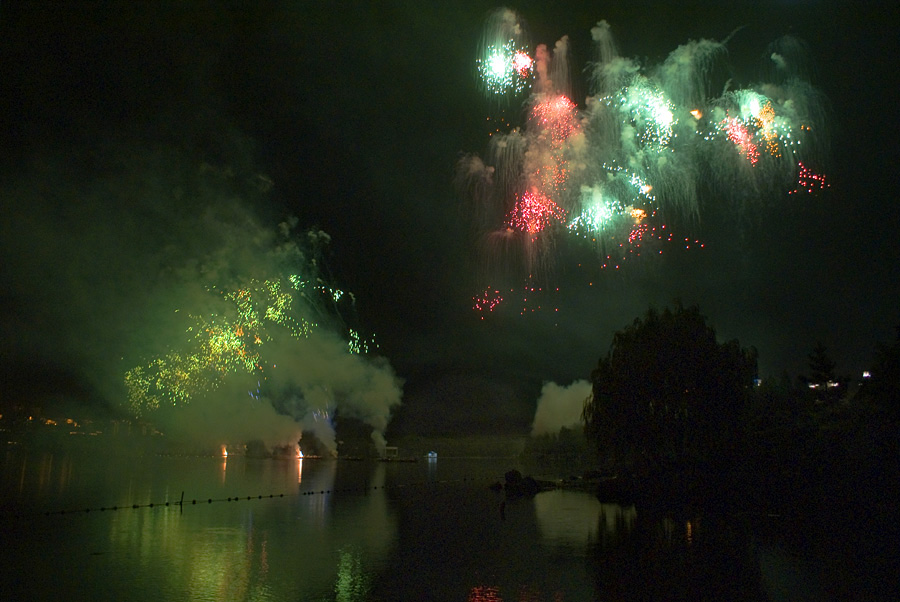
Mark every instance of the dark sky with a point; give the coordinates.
(358, 115)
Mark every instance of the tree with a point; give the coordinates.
(668, 394)
(879, 396)
(823, 383)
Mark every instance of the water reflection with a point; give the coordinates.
(260, 549)
(484, 593)
(616, 523)
(49, 474)
(787, 576)
(354, 531)
(678, 556)
(432, 467)
(567, 517)
(489, 593)
(228, 564)
(315, 543)
(353, 579)
(577, 520)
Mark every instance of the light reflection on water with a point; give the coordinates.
(576, 520)
(311, 542)
(343, 530)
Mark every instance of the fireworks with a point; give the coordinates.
(533, 213)
(808, 181)
(609, 210)
(738, 133)
(597, 214)
(505, 68)
(553, 124)
(487, 301)
(233, 343)
(526, 299)
(649, 112)
(555, 115)
(534, 298)
(643, 144)
(504, 64)
(359, 345)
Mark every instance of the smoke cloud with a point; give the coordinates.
(560, 407)
(159, 287)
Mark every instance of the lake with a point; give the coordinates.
(81, 527)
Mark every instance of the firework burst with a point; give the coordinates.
(233, 343)
(504, 65)
(642, 145)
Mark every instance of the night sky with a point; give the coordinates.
(353, 121)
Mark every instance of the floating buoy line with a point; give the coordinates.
(182, 502)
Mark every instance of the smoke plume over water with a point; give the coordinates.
(159, 288)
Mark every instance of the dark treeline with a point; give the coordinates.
(685, 421)
(689, 418)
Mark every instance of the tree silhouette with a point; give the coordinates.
(669, 395)
(880, 393)
(822, 382)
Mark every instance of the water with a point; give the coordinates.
(355, 530)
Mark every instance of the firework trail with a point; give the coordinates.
(638, 151)
(526, 187)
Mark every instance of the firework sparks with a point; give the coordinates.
(556, 115)
(533, 213)
(487, 301)
(808, 181)
(647, 142)
(220, 346)
(505, 68)
(738, 133)
(504, 64)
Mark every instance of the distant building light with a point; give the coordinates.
(757, 381)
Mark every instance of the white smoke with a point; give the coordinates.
(779, 60)
(560, 407)
(321, 380)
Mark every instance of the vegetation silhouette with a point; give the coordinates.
(696, 437)
(669, 401)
